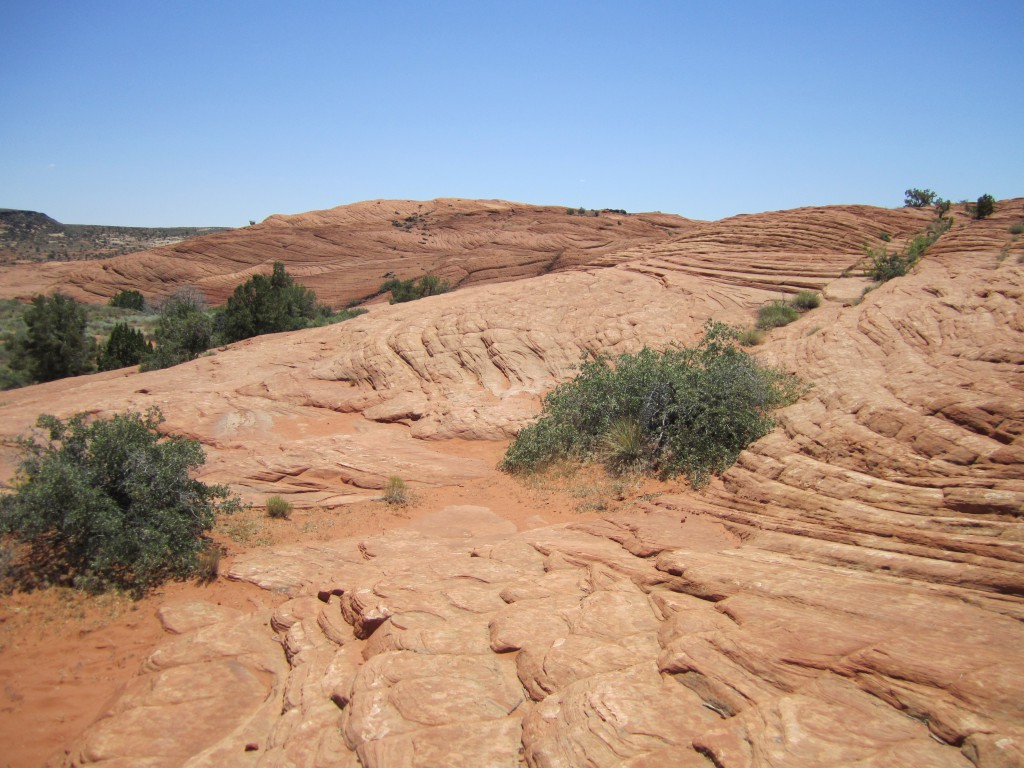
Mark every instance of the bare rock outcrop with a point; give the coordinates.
(345, 253)
(273, 412)
(851, 592)
(560, 647)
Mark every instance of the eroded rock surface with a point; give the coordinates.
(851, 592)
(277, 414)
(345, 253)
(561, 647)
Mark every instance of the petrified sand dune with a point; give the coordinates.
(851, 592)
(344, 253)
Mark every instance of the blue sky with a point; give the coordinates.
(216, 112)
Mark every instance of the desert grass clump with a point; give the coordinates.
(624, 447)
(775, 314)
(396, 492)
(278, 508)
(208, 564)
(806, 300)
(695, 410)
(751, 337)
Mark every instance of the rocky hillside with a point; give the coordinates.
(851, 592)
(28, 236)
(345, 253)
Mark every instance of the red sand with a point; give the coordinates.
(65, 655)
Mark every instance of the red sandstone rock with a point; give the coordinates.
(850, 592)
(345, 253)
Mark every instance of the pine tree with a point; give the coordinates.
(55, 344)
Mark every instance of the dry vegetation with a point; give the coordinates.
(31, 236)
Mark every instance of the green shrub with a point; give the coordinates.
(885, 266)
(327, 317)
(126, 346)
(775, 314)
(696, 409)
(918, 198)
(278, 508)
(54, 344)
(1017, 229)
(806, 300)
(410, 290)
(183, 331)
(129, 300)
(396, 492)
(985, 207)
(8, 558)
(109, 503)
(268, 305)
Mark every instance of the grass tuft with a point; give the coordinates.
(278, 508)
(625, 448)
(775, 314)
(208, 563)
(751, 337)
(396, 492)
(806, 300)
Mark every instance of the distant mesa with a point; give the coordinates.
(30, 236)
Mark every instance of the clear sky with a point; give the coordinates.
(215, 112)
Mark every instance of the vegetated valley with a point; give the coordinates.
(33, 236)
(557, 488)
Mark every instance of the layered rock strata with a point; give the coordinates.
(653, 638)
(851, 592)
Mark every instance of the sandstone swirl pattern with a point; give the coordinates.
(850, 593)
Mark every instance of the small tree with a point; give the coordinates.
(432, 285)
(183, 332)
(128, 300)
(126, 346)
(918, 198)
(268, 305)
(985, 207)
(55, 344)
(110, 503)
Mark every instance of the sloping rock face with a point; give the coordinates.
(851, 592)
(654, 638)
(273, 412)
(345, 253)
